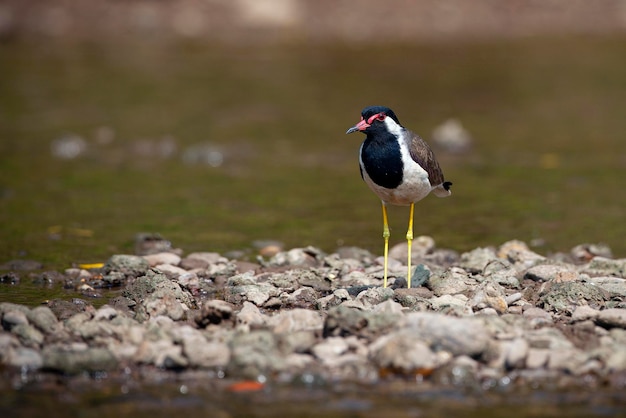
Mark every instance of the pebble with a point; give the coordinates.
(307, 312)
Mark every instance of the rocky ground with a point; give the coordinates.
(487, 316)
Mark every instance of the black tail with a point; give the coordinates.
(447, 184)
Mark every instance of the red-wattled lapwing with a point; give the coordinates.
(398, 166)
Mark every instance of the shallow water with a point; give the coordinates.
(391, 399)
(268, 123)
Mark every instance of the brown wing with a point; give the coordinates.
(424, 156)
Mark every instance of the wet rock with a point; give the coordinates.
(610, 318)
(9, 278)
(78, 358)
(255, 354)
(459, 336)
(21, 265)
(345, 321)
(64, 309)
(404, 352)
(162, 258)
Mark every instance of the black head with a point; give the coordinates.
(372, 119)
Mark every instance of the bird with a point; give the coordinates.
(399, 167)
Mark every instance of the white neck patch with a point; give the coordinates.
(393, 127)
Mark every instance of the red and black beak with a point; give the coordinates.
(361, 126)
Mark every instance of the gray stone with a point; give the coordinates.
(161, 353)
(201, 260)
(155, 295)
(546, 272)
(517, 252)
(335, 299)
(299, 257)
(615, 286)
(476, 260)
(29, 335)
(345, 321)
(44, 319)
(537, 358)
(451, 282)
(404, 352)
(256, 293)
(162, 258)
(250, 317)
(375, 295)
(567, 296)
(456, 335)
(491, 295)
(172, 272)
(255, 354)
(601, 266)
(584, 313)
(537, 314)
(199, 351)
(446, 301)
(129, 265)
(215, 311)
(14, 317)
(296, 320)
(25, 358)
(610, 318)
(516, 354)
(71, 361)
(569, 360)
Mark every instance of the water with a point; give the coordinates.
(217, 146)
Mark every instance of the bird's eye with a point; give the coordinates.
(381, 117)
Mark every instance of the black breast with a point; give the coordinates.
(382, 160)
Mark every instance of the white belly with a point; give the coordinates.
(414, 187)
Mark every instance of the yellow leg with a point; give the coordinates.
(409, 241)
(386, 235)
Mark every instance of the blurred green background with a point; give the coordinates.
(218, 135)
